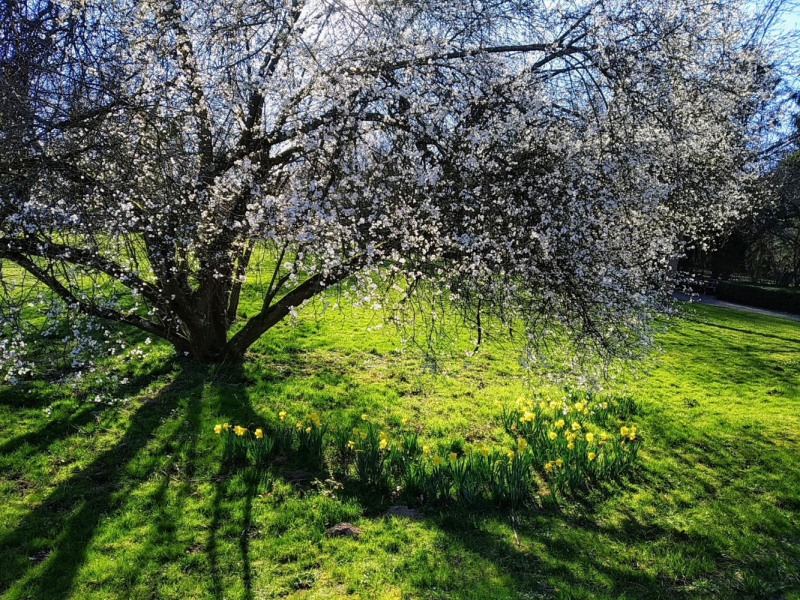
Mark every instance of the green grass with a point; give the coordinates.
(132, 501)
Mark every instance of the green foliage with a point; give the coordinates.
(311, 439)
(261, 445)
(370, 454)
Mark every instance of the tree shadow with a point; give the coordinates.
(234, 400)
(48, 545)
(40, 439)
(709, 323)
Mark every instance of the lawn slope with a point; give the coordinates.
(131, 501)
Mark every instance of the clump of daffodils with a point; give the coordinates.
(567, 444)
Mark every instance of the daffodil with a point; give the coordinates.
(552, 435)
(351, 444)
(559, 463)
(549, 466)
(485, 450)
(592, 455)
(604, 436)
(452, 456)
(355, 430)
(383, 435)
(364, 417)
(560, 423)
(383, 444)
(308, 429)
(510, 454)
(363, 435)
(239, 430)
(521, 444)
(226, 426)
(217, 429)
(623, 431)
(426, 449)
(437, 461)
(575, 426)
(589, 437)
(259, 433)
(282, 415)
(299, 426)
(571, 445)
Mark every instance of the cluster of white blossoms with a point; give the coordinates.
(538, 163)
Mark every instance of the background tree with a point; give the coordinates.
(535, 161)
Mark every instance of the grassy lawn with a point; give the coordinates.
(132, 501)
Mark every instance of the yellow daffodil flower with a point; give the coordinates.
(351, 444)
(589, 437)
(383, 444)
(239, 430)
(437, 461)
(282, 415)
(576, 426)
(364, 417)
(552, 435)
(560, 423)
(592, 455)
(217, 429)
(452, 456)
(259, 433)
(623, 430)
(426, 449)
(559, 463)
(363, 435)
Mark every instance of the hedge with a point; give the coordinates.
(778, 299)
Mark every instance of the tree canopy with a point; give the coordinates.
(537, 162)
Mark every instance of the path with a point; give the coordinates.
(706, 299)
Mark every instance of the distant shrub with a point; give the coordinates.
(778, 299)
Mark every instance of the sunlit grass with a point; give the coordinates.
(135, 501)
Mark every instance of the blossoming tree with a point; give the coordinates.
(537, 161)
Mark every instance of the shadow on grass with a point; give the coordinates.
(233, 403)
(754, 331)
(48, 546)
(40, 439)
(550, 560)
